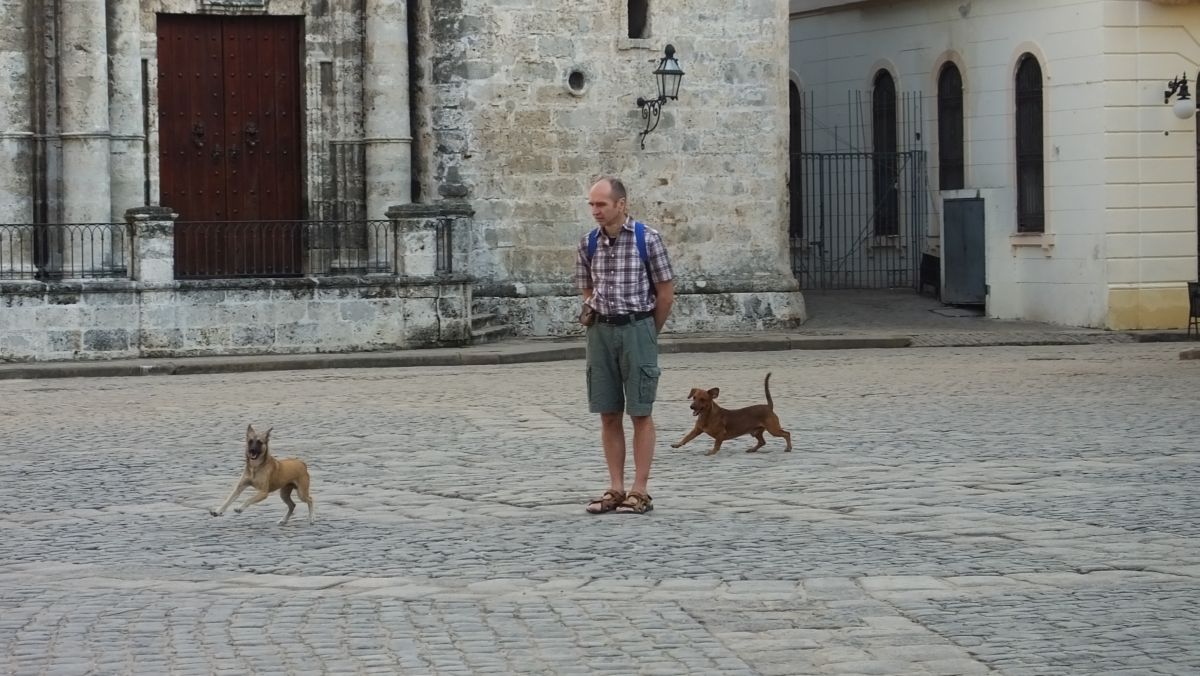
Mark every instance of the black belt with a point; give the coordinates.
(620, 320)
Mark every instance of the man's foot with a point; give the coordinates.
(607, 502)
(636, 502)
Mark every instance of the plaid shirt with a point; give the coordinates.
(617, 275)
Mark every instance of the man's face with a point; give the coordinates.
(605, 209)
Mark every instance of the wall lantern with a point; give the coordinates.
(1184, 106)
(669, 76)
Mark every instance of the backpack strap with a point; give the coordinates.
(593, 240)
(639, 234)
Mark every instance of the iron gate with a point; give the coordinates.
(859, 204)
(861, 219)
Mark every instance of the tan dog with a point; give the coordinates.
(267, 475)
(725, 424)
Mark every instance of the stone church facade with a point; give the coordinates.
(185, 177)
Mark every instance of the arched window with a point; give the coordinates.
(885, 161)
(639, 18)
(951, 174)
(1031, 209)
(796, 166)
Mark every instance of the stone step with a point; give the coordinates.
(490, 334)
(484, 319)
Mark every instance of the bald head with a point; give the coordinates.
(615, 187)
(607, 201)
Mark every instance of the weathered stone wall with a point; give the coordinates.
(114, 319)
(508, 133)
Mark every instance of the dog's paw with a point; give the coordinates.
(237, 510)
(675, 445)
(213, 512)
(281, 522)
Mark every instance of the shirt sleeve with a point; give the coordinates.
(583, 268)
(659, 262)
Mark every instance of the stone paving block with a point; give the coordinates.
(461, 547)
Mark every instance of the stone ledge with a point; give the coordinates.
(38, 288)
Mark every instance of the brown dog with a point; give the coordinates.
(267, 475)
(725, 424)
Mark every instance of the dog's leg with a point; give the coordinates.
(257, 497)
(286, 494)
(302, 491)
(716, 447)
(237, 490)
(758, 434)
(688, 437)
(777, 430)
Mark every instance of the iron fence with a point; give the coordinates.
(221, 250)
(45, 251)
(860, 219)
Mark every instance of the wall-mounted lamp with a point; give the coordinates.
(1184, 106)
(669, 75)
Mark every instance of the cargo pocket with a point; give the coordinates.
(649, 385)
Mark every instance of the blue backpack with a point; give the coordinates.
(639, 237)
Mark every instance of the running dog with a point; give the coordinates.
(267, 475)
(725, 424)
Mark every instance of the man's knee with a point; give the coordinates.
(611, 419)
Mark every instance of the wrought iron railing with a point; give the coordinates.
(220, 250)
(859, 219)
(64, 250)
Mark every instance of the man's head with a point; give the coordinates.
(607, 201)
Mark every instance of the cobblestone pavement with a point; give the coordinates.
(945, 511)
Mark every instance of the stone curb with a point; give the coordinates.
(486, 355)
(491, 355)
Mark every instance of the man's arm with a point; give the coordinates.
(664, 299)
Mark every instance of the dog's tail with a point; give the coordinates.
(767, 388)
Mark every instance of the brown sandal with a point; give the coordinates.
(606, 503)
(636, 503)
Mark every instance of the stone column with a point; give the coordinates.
(16, 140)
(83, 110)
(126, 152)
(153, 243)
(388, 141)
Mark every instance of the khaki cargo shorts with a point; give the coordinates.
(622, 367)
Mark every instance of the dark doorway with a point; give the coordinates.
(230, 129)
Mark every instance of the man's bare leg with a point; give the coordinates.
(612, 437)
(643, 450)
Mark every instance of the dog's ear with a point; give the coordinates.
(250, 431)
(714, 392)
(692, 393)
(266, 436)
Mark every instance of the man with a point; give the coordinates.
(626, 302)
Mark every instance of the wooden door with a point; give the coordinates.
(230, 143)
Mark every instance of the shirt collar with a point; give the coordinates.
(626, 226)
